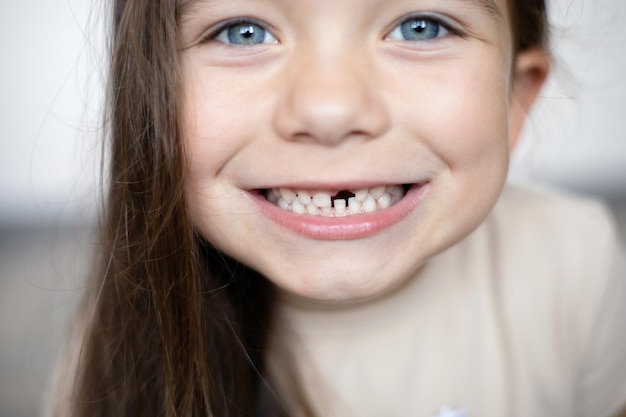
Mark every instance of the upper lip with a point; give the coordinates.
(337, 186)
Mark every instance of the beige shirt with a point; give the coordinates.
(524, 317)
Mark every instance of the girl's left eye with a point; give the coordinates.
(418, 29)
(244, 33)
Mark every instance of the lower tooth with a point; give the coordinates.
(283, 204)
(311, 209)
(298, 207)
(384, 201)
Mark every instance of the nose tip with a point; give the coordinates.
(329, 107)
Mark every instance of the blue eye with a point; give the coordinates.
(245, 33)
(418, 29)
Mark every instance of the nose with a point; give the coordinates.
(328, 100)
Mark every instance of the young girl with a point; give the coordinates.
(306, 217)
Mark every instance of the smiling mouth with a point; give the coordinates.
(337, 204)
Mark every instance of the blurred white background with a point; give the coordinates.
(50, 85)
(576, 136)
(51, 81)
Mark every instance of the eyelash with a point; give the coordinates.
(214, 34)
(441, 22)
(220, 30)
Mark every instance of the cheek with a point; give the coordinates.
(471, 113)
(465, 126)
(215, 126)
(467, 129)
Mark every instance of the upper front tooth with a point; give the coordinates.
(287, 194)
(369, 205)
(354, 205)
(340, 207)
(304, 197)
(377, 192)
(361, 195)
(322, 199)
(321, 202)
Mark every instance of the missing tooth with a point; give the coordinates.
(342, 195)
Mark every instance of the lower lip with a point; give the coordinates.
(356, 226)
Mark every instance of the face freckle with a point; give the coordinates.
(340, 147)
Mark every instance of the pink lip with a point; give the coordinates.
(356, 226)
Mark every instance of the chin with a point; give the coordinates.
(354, 275)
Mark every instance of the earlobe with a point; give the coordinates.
(531, 69)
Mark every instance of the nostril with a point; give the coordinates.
(328, 107)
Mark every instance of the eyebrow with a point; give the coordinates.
(488, 6)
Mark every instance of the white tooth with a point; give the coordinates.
(322, 199)
(304, 197)
(287, 194)
(340, 207)
(283, 204)
(311, 208)
(327, 211)
(369, 205)
(376, 192)
(298, 207)
(354, 205)
(384, 201)
(361, 195)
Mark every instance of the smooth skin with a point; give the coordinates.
(334, 94)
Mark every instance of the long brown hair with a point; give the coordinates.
(529, 24)
(169, 326)
(164, 337)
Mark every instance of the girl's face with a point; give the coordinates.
(334, 146)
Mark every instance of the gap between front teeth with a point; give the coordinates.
(323, 203)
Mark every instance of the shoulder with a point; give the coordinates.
(563, 275)
(558, 248)
(561, 233)
(553, 213)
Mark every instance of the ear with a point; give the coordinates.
(531, 69)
